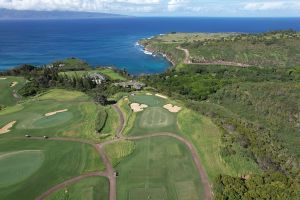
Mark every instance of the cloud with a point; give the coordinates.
(174, 5)
(272, 5)
(81, 5)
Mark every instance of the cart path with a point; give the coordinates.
(69, 182)
(219, 62)
(122, 120)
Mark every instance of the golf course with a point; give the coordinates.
(145, 156)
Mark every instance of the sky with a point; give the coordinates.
(211, 8)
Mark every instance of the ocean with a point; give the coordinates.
(111, 42)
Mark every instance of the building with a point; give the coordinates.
(97, 78)
(131, 84)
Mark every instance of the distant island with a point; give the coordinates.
(6, 14)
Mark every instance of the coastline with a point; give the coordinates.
(154, 53)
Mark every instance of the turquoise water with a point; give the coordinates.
(111, 41)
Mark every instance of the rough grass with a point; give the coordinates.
(62, 160)
(88, 189)
(206, 137)
(119, 150)
(159, 168)
(6, 94)
(112, 122)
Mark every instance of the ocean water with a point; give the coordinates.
(111, 41)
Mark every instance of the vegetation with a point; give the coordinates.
(9, 85)
(278, 48)
(119, 150)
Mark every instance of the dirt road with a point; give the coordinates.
(218, 62)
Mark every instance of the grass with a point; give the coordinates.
(112, 122)
(18, 166)
(6, 94)
(206, 137)
(129, 115)
(78, 121)
(60, 161)
(159, 168)
(106, 71)
(119, 150)
(88, 189)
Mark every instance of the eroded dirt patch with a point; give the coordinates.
(13, 84)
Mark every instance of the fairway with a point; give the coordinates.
(92, 188)
(78, 120)
(30, 167)
(17, 166)
(160, 168)
(8, 94)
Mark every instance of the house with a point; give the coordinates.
(131, 84)
(97, 78)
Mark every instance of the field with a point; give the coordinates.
(8, 95)
(106, 71)
(87, 189)
(25, 171)
(159, 168)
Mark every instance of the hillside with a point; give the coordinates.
(278, 48)
(39, 15)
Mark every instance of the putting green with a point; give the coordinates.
(17, 166)
(53, 120)
(155, 118)
(151, 101)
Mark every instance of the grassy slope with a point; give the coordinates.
(67, 159)
(6, 94)
(119, 150)
(89, 189)
(206, 136)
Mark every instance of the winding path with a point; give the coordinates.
(220, 62)
(110, 173)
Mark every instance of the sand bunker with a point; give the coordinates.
(149, 94)
(6, 128)
(161, 96)
(55, 112)
(2, 78)
(171, 108)
(136, 107)
(13, 84)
